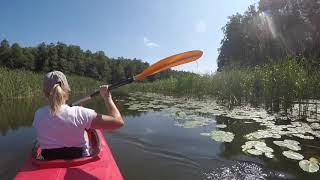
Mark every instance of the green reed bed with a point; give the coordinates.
(276, 85)
(21, 83)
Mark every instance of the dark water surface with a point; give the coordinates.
(151, 147)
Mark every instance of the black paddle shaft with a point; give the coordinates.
(115, 85)
(111, 87)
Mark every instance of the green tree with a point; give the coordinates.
(4, 52)
(17, 58)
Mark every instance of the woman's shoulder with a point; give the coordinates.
(75, 110)
(80, 108)
(41, 110)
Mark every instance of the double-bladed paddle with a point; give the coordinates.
(159, 66)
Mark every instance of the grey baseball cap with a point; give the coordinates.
(52, 78)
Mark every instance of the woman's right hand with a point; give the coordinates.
(114, 119)
(105, 93)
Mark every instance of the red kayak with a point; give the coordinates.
(100, 165)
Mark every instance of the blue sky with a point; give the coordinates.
(143, 29)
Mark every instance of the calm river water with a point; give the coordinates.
(151, 147)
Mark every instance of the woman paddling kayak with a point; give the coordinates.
(61, 129)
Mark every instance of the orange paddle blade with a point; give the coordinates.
(169, 62)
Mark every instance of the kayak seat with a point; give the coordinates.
(65, 159)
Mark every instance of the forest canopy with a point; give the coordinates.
(270, 31)
(73, 60)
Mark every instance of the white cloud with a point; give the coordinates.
(201, 26)
(149, 43)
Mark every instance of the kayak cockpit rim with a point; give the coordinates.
(95, 145)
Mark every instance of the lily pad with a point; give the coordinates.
(249, 145)
(222, 136)
(255, 152)
(205, 134)
(269, 155)
(293, 155)
(257, 148)
(315, 125)
(290, 144)
(193, 124)
(303, 136)
(315, 160)
(221, 126)
(263, 148)
(289, 141)
(309, 166)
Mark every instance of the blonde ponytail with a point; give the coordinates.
(57, 97)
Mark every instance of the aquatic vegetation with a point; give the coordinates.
(257, 148)
(12, 82)
(309, 166)
(254, 152)
(193, 124)
(222, 136)
(262, 134)
(303, 136)
(269, 155)
(276, 86)
(263, 147)
(194, 113)
(293, 155)
(290, 144)
(221, 126)
(250, 144)
(205, 134)
(315, 160)
(315, 125)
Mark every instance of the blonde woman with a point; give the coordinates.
(61, 128)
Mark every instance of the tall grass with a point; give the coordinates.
(21, 83)
(276, 85)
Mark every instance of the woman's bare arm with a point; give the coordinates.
(114, 119)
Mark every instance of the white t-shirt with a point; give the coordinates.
(66, 129)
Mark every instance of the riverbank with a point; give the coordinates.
(23, 83)
(275, 86)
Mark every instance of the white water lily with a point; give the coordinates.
(309, 166)
(293, 155)
(222, 136)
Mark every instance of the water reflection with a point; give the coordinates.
(17, 113)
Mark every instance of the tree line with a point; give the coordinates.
(72, 59)
(272, 30)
